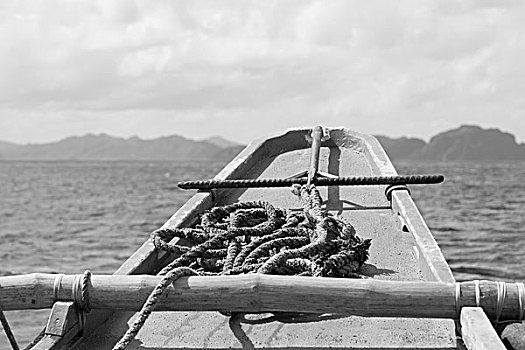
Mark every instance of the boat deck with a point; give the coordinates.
(396, 253)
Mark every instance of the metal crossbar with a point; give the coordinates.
(313, 176)
(322, 181)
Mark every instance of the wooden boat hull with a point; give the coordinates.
(402, 249)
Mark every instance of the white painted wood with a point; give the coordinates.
(477, 331)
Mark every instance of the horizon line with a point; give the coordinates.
(239, 143)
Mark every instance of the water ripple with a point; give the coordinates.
(69, 216)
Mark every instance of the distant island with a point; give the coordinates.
(106, 147)
(468, 142)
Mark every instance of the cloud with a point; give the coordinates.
(390, 67)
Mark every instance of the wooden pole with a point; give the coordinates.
(259, 293)
(317, 134)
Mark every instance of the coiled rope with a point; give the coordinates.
(255, 237)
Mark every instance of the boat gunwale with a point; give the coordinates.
(147, 260)
(431, 257)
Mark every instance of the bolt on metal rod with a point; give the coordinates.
(322, 181)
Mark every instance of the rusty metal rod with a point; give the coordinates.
(322, 181)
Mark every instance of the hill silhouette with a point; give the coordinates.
(105, 147)
(468, 142)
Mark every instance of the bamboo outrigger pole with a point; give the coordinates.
(261, 293)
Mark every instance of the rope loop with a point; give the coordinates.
(478, 292)
(392, 188)
(84, 292)
(502, 294)
(56, 286)
(521, 298)
(80, 291)
(458, 298)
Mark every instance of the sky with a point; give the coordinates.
(249, 69)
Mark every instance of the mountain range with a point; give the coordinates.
(468, 142)
(106, 147)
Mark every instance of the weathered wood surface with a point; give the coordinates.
(433, 263)
(477, 331)
(395, 255)
(245, 293)
(260, 293)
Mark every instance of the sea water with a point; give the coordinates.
(70, 216)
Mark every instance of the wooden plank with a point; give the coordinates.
(377, 156)
(62, 319)
(477, 331)
(433, 262)
(63, 325)
(48, 342)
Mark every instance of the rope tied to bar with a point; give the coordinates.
(80, 290)
(256, 237)
(521, 298)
